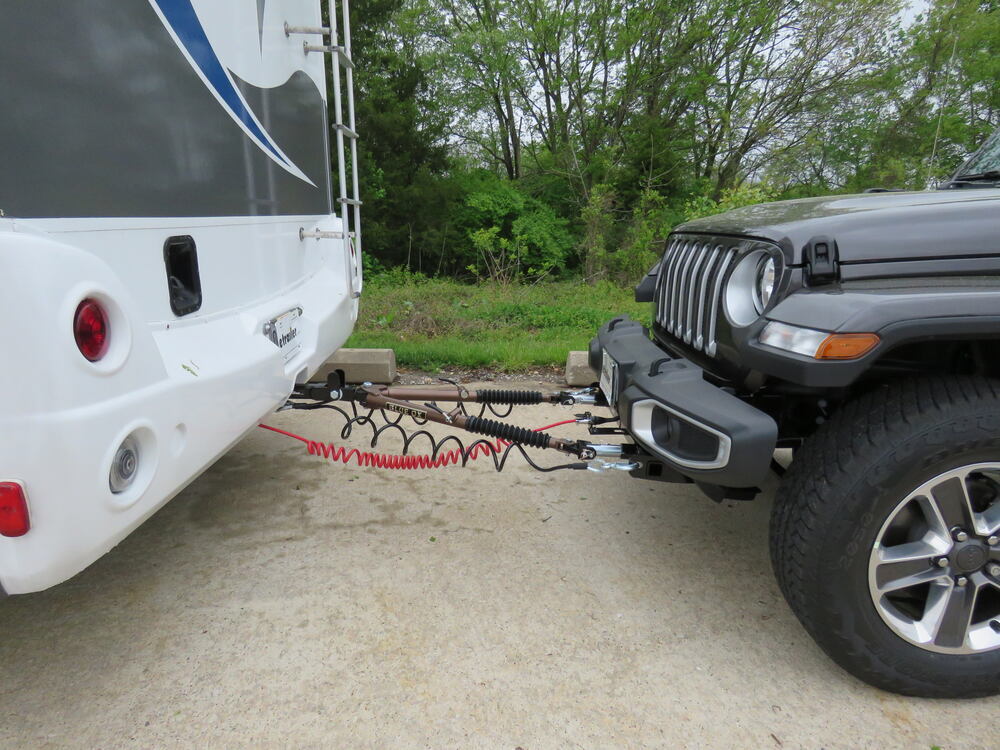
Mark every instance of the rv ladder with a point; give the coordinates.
(341, 63)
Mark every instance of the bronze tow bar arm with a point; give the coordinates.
(398, 400)
(501, 397)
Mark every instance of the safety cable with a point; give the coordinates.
(440, 456)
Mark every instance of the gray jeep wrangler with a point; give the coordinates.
(863, 333)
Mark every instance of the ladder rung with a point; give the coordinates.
(345, 59)
(350, 201)
(346, 131)
(330, 49)
(323, 30)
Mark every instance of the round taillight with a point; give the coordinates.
(90, 328)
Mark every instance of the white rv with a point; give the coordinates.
(173, 256)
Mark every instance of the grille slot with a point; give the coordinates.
(689, 288)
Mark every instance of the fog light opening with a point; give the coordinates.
(125, 466)
(679, 438)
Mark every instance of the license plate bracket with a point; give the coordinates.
(283, 332)
(609, 379)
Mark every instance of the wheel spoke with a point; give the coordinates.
(989, 520)
(952, 500)
(948, 615)
(905, 565)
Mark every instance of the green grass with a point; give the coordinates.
(437, 323)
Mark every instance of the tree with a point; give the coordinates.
(402, 153)
(617, 115)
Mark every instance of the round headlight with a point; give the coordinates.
(750, 287)
(764, 286)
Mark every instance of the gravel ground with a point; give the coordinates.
(283, 601)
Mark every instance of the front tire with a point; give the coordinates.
(884, 537)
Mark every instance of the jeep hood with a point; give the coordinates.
(872, 227)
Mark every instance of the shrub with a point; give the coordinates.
(511, 233)
(737, 197)
(623, 251)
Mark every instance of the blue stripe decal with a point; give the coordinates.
(184, 21)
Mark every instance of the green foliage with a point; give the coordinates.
(652, 220)
(530, 139)
(433, 322)
(598, 231)
(512, 234)
(370, 265)
(912, 120)
(513, 142)
(736, 197)
(623, 250)
(402, 156)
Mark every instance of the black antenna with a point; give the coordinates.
(947, 82)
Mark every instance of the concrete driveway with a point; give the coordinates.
(282, 601)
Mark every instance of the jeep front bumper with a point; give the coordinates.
(699, 430)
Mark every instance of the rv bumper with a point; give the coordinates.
(697, 429)
(185, 393)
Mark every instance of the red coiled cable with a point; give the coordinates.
(333, 452)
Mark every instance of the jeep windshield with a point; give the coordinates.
(982, 168)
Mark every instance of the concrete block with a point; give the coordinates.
(578, 370)
(361, 365)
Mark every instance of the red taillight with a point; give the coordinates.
(90, 328)
(13, 510)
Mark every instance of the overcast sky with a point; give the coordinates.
(912, 9)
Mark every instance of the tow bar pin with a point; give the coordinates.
(599, 466)
(584, 396)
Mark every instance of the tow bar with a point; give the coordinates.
(420, 404)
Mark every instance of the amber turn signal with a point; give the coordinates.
(846, 345)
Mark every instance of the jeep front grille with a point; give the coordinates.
(689, 287)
